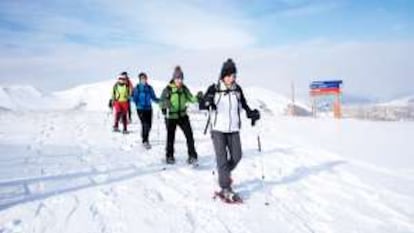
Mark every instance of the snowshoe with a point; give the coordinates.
(228, 196)
(115, 129)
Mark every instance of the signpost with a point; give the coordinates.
(325, 89)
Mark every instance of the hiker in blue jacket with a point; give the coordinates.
(142, 96)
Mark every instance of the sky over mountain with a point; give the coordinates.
(58, 44)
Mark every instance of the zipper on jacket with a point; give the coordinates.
(145, 89)
(230, 120)
(179, 104)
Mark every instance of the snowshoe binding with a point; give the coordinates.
(228, 196)
(192, 161)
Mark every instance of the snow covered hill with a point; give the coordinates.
(405, 101)
(95, 96)
(18, 97)
(65, 171)
(401, 109)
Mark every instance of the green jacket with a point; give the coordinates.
(174, 100)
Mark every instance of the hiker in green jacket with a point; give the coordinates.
(173, 103)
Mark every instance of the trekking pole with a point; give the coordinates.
(158, 125)
(213, 171)
(262, 169)
(109, 113)
(208, 120)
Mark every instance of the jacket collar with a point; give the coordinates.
(222, 86)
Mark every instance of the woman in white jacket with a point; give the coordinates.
(225, 100)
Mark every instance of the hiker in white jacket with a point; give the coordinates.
(225, 101)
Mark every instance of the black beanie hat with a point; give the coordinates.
(228, 68)
(178, 73)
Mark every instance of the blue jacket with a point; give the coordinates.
(142, 96)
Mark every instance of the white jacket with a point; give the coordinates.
(228, 101)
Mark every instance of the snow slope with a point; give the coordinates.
(65, 171)
(17, 97)
(95, 96)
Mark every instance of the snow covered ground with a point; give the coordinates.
(63, 170)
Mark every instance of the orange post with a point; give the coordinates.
(337, 107)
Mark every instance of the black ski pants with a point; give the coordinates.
(145, 116)
(184, 124)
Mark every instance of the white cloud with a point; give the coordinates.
(184, 25)
(368, 69)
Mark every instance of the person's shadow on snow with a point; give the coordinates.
(37, 188)
(247, 188)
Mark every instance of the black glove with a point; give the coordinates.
(254, 115)
(209, 102)
(205, 102)
(199, 96)
(164, 111)
(110, 104)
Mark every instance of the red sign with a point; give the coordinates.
(324, 91)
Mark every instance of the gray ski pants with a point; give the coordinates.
(228, 154)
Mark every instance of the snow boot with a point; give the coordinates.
(146, 145)
(170, 160)
(192, 161)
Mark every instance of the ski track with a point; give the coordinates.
(102, 178)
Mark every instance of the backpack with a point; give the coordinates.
(212, 90)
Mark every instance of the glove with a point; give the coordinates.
(199, 96)
(254, 115)
(209, 102)
(164, 111)
(110, 104)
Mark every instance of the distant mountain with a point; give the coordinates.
(348, 99)
(394, 110)
(401, 102)
(95, 97)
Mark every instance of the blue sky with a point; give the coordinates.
(57, 44)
